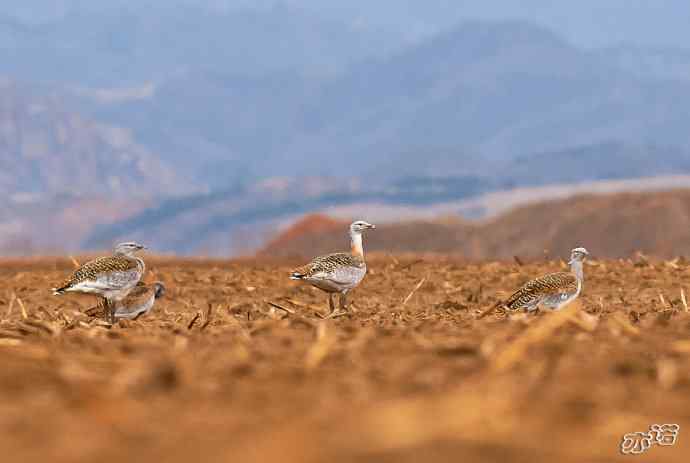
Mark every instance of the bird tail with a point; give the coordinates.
(63, 288)
(300, 272)
(490, 310)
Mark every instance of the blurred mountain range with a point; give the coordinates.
(612, 226)
(588, 23)
(265, 92)
(216, 116)
(47, 150)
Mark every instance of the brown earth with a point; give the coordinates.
(413, 374)
(616, 225)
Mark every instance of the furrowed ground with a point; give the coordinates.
(414, 374)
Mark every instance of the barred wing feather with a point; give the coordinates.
(554, 285)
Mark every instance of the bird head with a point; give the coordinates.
(128, 248)
(578, 255)
(158, 290)
(359, 226)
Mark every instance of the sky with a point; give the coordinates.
(587, 23)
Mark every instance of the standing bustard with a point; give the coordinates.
(553, 291)
(138, 302)
(339, 272)
(111, 277)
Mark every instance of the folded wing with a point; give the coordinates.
(111, 273)
(552, 286)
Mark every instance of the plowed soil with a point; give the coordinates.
(415, 372)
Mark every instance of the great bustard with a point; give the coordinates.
(339, 272)
(138, 302)
(111, 277)
(553, 291)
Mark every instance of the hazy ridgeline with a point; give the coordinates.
(224, 120)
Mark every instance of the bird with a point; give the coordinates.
(111, 277)
(553, 291)
(138, 302)
(339, 272)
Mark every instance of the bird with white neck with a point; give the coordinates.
(337, 273)
(111, 277)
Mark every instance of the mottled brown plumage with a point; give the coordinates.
(328, 264)
(339, 272)
(97, 267)
(99, 310)
(110, 277)
(138, 302)
(553, 291)
(554, 284)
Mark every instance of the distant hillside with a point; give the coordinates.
(276, 91)
(58, 225)
(301, 231)
(47, 149)
(415, 236)
(135, 43)
(267, 114)
(662, 63)
(611, 226)
(491, 90)
(189, 224)
(601, 161)
(456, 103)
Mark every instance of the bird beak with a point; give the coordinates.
(372, 226)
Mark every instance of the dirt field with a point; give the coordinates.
(413, 375)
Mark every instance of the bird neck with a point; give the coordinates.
(140, 263)
(356, 245)
(577, 270)
(124, 252)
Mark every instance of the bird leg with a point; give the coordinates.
(106, 310)
(109, 311)
(331, 303)
(343, 307)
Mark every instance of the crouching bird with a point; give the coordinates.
(553, 291)
(138, 302)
